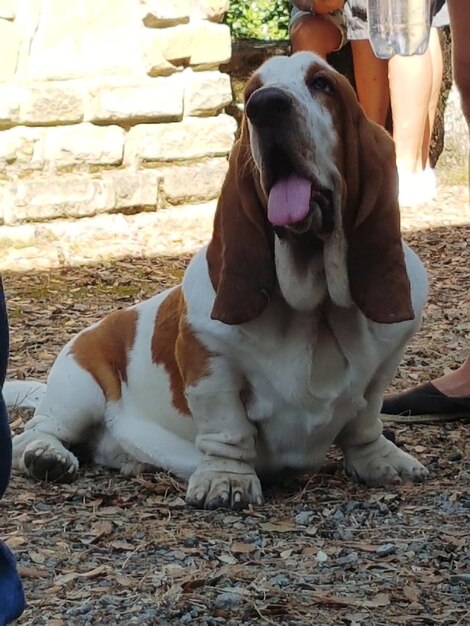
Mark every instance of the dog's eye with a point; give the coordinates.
(319, 83)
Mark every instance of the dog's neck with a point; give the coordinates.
(300, 271)
(311, 271)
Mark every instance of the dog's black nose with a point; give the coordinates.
(267, 106)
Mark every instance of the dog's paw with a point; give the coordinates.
(210, 489)
(381, 462)
(43, 461)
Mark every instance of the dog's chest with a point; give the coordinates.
(305, 380)
(298, 361)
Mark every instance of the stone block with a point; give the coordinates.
(87, 229)
(161, 99)
(10, 97)
(30, 146)
(7, 9)
(8, 146)
(190, 139)
(197, 182)
(154, 60)
(164, 13)
(86, 38)
(79, 195)
(22, 146)
(212, 44)
(46, 105)
(84, 143)
(212, 10)
(10, 47)
(206, 92)
(6, 201)
(135, 188)
(62, 196)
(17, 236)
(176, 43)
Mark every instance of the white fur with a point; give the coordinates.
(24, 393)
(309, 375)
(314, 137)
(313, 142)
(281, 389)
(306, 290)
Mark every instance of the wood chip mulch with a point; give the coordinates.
(108, 550)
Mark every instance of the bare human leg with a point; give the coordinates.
(457, 383)
(371, 75)
(410, 90)
(316, 34)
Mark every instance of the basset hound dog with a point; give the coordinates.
(286, 329)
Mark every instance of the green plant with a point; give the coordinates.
(261, 19)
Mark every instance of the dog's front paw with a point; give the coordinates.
(211, 489)
(44, 461)
(381, 462)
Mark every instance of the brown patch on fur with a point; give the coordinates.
(317, 70)
(164, 339)
(376, 266)
(365, 155)
(193, 358)
(240, 254)
(103, 351)
(252, 85)
(175, 346)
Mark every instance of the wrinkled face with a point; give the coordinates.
(292, 117)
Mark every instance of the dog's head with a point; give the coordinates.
(309, 167)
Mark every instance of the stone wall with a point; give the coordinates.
(111, 106)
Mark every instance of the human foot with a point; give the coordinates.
(426, 399)
(455, 384)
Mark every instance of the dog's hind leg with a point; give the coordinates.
(72, 405)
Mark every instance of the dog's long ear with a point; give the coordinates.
(240, 253)
(378, 279)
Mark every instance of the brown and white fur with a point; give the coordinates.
(279, 342)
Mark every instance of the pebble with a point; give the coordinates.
(348, 559)
(339, 516)
(228, 599)
(280, 580)
(304, 518)
(191, 542)
(455, 579)
(344, 534)
(41, 506)
(351, 506)
(321, 557)
(386, 548)
(443, 502)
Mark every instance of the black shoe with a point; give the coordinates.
(426, 401)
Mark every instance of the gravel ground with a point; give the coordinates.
(109, 550)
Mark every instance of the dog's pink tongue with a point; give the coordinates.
(289, 200)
